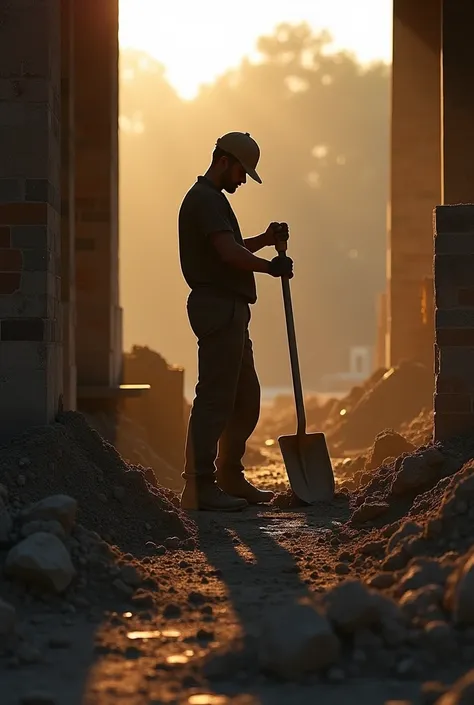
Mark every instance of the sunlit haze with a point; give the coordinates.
(197, 41)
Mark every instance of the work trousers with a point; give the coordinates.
(226, 406)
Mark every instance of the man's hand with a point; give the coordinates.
(276, 232)
(281, 267)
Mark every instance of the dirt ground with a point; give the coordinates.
(194, 642)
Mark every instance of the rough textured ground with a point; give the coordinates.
(365, 600)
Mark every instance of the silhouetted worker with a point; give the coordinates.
(219, 265)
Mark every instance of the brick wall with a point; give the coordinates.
(415, 171)
(30, 316)
(98, 334)
(454, 317)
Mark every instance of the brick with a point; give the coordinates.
(454, 318)
(9, 282)
(454, 244)
(35, 260)
(4, 236)
(454, 219)
(466, 296)
(453, 271)
(455, 337)
(31, 236)
(23, 213)
(11, 190)
(457, 403)
(22, 329)
(449, 425)
(451, 385)
(38, 190)
(10, 260)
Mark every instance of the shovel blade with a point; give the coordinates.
(308, 466)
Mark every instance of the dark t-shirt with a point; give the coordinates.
(204, 211)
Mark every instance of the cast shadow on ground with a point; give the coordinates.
(245, 550)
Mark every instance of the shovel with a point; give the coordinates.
(305, 455)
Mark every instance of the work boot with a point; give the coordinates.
(208, 496)
(238, 486)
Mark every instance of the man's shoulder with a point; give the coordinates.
(202, 194)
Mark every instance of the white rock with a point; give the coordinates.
(6, 522)
(59, 506)
(42, 560)
(296, 639)
(50, 527)
(7, 618)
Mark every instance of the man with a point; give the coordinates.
(218, 266)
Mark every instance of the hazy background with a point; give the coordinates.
(321, 117)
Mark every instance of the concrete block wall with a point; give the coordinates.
(454, 318)
(30, 290)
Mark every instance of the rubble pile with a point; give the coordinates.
(122, 503)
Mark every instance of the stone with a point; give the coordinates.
(350, 606)
(440, 637)
(41, 560)
(409, 528)
(368, 511)
(60, 507)
(342, 568)
(122, 587)
(462, 594)
(6, 522)
(296, 639)
(130, 575)
(7, 618)
(50, 527)
(381, 581)
(418, 603)
(172, 543)
(417, 576)
(414, 472)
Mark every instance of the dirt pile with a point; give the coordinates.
(397, 397)
(115, 500)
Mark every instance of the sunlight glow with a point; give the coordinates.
(197, 41)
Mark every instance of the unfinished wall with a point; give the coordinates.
(30, 313)
(454, 296)
(415, 169)
(99, 326)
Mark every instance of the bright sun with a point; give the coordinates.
(196, 41)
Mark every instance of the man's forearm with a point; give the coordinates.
(241, 258)
(254, 244)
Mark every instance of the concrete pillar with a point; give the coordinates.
(458, 101)
(68, 263)
(379, 358)
(415, 168)
(454, 300)
(98, 334)
(30, 289)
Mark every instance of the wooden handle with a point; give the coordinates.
(295, 365)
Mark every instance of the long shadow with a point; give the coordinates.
(268, 576)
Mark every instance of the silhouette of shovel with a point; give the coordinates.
(305, 455)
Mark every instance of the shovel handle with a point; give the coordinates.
(295, 365)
